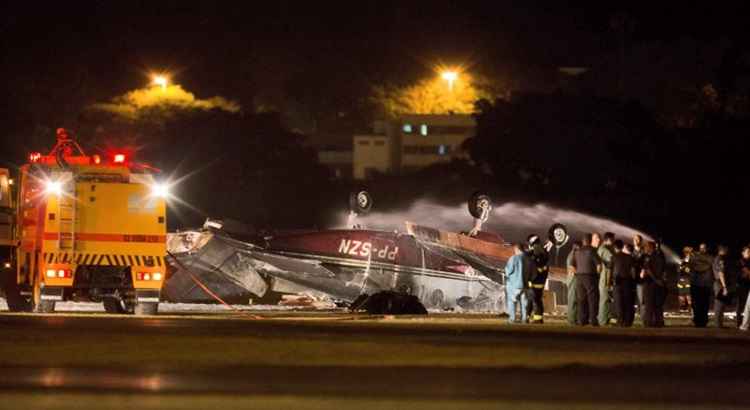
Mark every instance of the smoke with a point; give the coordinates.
(134, 103)
(513, 221)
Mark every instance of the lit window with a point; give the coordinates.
(407, 128)
(423, 129)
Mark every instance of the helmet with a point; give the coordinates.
(533, 239)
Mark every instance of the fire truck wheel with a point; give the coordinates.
(45, 306)
(146, 308)
(16, 301)
(116, 305)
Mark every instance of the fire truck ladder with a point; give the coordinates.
(67, 215)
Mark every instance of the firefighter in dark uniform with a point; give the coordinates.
(538, 278)
(683, 280)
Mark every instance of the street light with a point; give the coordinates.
(450, 77)
(160, 80)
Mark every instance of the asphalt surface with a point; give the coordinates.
(336, 360)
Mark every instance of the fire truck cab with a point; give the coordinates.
(78, 227)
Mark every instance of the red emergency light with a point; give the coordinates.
(119, 159)
(96, 159)
(35, 157)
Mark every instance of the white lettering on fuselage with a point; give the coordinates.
(365, 249)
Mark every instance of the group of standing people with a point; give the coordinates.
(526, 275)
(718, 280)
(608, 280)
(607, 276)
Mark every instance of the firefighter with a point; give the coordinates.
(743, 283)
(538, 278)
(683, 281)
(654, 286)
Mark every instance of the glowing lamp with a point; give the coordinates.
(53, 187)
(119, 159)
(160, 190)
(160, 81)
(450, 76)
(35, 157)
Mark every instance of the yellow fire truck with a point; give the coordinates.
(80, 227)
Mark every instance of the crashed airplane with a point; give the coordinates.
(436, 269)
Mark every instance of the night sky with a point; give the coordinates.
(59, 58)
(72, 54)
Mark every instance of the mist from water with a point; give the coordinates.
(513, 221)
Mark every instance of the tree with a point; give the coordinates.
(432, 96)
(225, 163)
(566, 141)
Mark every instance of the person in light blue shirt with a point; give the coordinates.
(515, 282)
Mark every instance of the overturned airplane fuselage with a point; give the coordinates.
(343, 264)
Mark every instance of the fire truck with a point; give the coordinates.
(82, 227)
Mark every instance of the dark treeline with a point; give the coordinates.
(685, 184)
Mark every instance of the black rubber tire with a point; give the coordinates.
(394, 303)
(16, 301)
(114, 305)
(360, 202)
(146, 308)
(475, 204)
(552, 229)
(45, 306)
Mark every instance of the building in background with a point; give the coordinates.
(337, 158)
(409, 143)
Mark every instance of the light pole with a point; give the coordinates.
(160, 80)
(450, 77)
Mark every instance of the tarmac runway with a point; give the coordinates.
(280, 359)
